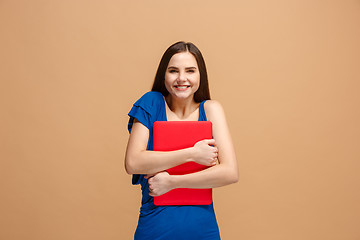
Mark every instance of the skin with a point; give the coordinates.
(219, 153)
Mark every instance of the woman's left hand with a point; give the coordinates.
(159, 183)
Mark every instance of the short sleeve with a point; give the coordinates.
(141, 115)
(145, 109)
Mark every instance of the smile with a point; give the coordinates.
(182, 87)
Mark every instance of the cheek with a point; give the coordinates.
(169, 78)
(196, 81)
(197, 84)
(168, 84)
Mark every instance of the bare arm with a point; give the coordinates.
(140, 161)
(224, 173)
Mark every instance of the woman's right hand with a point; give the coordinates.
(205, 153)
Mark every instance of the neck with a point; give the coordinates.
(181, 107)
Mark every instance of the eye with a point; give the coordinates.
(172, 71)
(191, 71)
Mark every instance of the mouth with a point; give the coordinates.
(182, 87)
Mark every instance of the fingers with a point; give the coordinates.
(214, 161)
(215, 153)
(151, 182)
(211, 162)
(216, 149)
(148, 176)
(210, 141)
(151, 192)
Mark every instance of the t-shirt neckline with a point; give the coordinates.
(165, 105)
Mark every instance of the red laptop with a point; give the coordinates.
(175, 135)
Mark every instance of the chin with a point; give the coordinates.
(182, 95)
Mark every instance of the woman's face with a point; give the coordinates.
(182, 76)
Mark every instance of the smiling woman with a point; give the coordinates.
(180, 93)
(182, 77)
(171, 55)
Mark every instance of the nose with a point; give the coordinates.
(182, 76)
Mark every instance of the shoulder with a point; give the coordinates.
(146, 109)
(214, 110)
(150, 96)
(213, 107)
(149, 99)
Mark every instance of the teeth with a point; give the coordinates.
(181, 87)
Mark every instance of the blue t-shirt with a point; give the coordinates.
(168, 222)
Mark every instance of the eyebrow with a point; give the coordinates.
(172, 67)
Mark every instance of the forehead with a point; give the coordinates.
(183, 59)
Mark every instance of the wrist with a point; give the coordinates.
(190, 152)
(175, 181)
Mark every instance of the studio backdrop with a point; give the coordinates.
(286, 72)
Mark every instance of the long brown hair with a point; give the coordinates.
(203, 93)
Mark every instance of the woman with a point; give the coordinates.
(180, 93)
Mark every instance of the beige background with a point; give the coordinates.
(286, 72)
